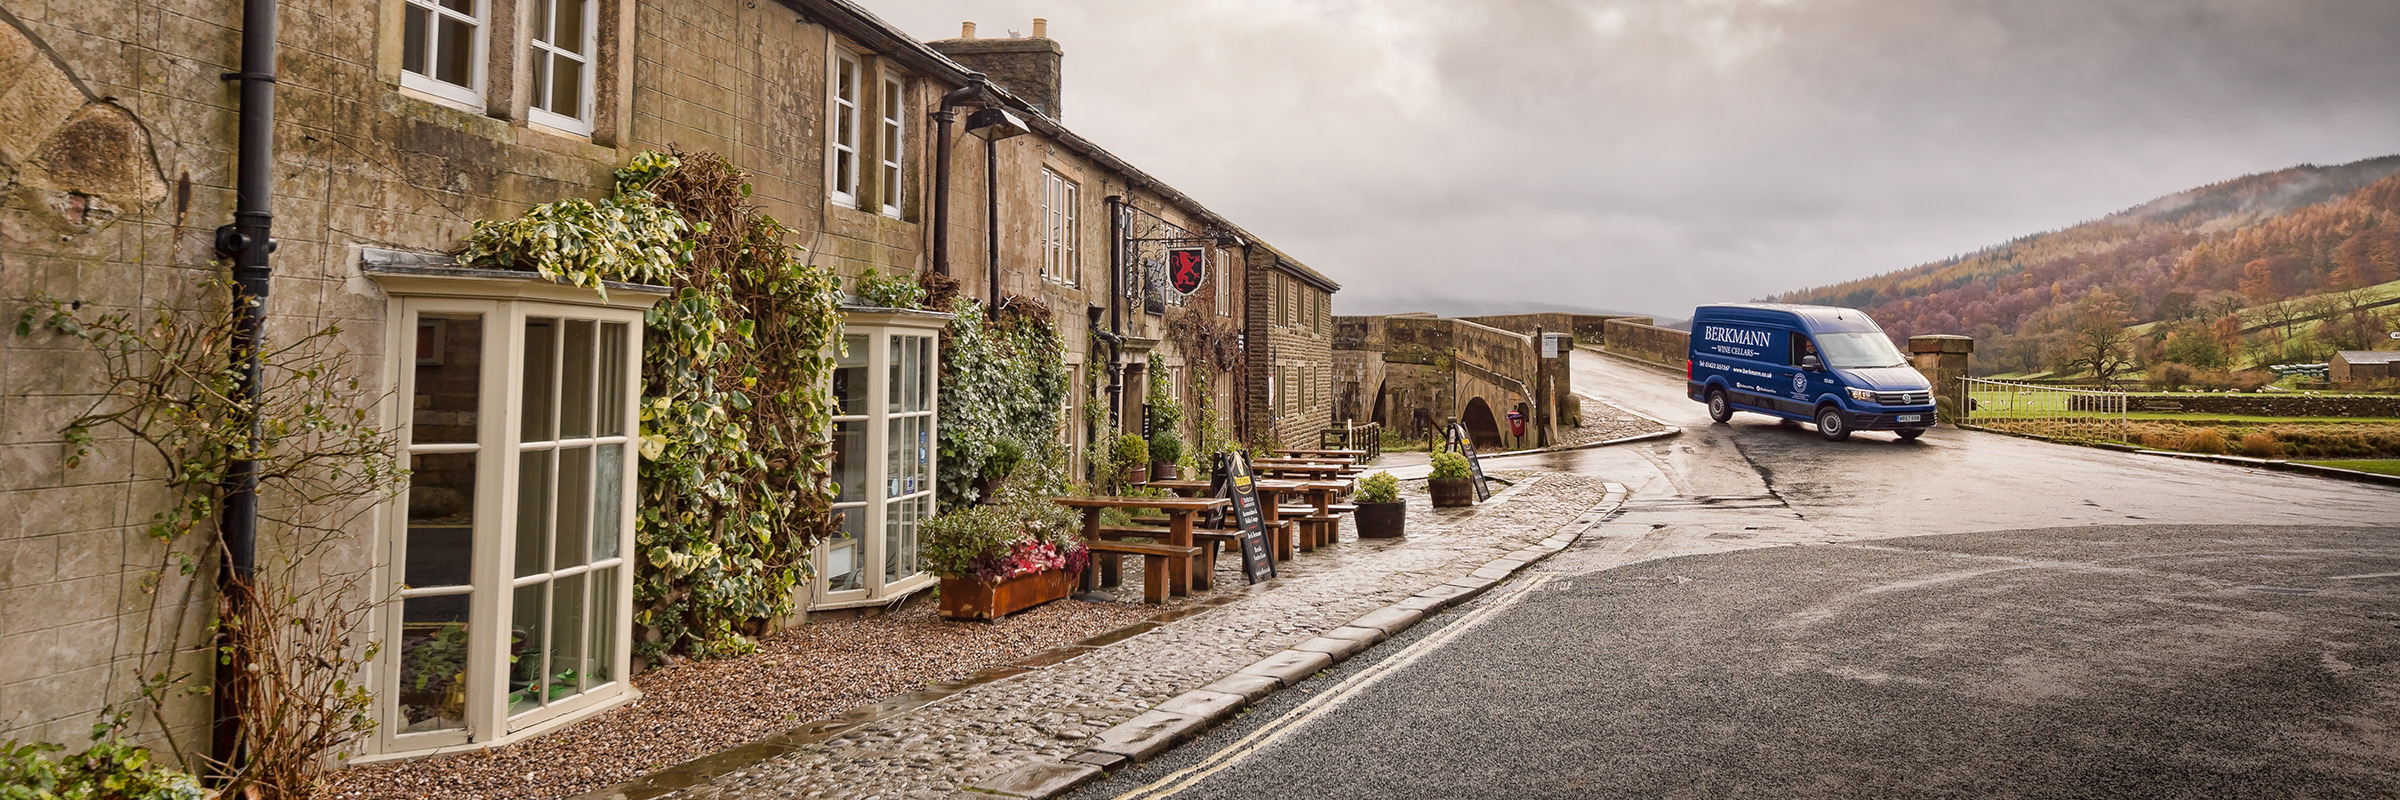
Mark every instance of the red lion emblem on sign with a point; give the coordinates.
(1187, 268)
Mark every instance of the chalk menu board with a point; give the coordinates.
(1465, 445)
(1249, 516)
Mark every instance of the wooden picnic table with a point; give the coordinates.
(1271, 493)
(1179, 525)
(1353, 456)
(1301, 470)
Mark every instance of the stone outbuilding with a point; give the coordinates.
(2361, 366)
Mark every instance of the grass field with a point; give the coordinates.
(2381, 466)
(2002, 402)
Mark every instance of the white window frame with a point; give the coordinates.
(894, 103)
(581, 123)
(1062, 245)
(504, 304)
(841, 139)
(883, 507)
(477, 62)
(1224, 279)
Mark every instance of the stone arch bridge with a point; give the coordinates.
(1417, 373)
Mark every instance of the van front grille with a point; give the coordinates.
(1904, 398)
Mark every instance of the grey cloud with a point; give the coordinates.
(1654, 155)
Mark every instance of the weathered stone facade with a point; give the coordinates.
(1289, 328)
(116, 164)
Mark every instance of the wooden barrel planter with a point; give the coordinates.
(969, 598)
(1451, 492)
(1382, 520)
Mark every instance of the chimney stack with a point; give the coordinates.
(1028, 67)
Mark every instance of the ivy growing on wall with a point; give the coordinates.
(1004, 376)
(736, 483)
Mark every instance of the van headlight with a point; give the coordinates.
(1862, 395)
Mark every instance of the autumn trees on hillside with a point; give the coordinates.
(2188, 263)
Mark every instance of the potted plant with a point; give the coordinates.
(1452, 483)
(1166, 452)
(1381, 514)
(999, 559)
(1132, 455)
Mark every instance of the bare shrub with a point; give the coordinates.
(2261, 445)
(2204, 440)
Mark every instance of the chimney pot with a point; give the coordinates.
(966, 30)
(1041, 28)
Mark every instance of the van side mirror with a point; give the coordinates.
(1811, 364)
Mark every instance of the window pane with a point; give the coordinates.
(441, 520)
(433, 664)
(525, 639)
(600, 666)
(891, 391)
(540, 343)
(900, 526)
(574, 506)
(566, 638)
(567, 32)
(539, 84)
(575, 389)
(456, 53)
(850, 460)
(925, 366)
(608, 495)
(449, 353)
(612, 379)
(466, 7)
(533, 511)
(850, 378)
(842, 170)
(844, 569)
(846, 81)
(566, 87)
(412, 38)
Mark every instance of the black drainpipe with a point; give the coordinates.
(970, 93)
(991, 215)
(247, 241)
(1116, 295)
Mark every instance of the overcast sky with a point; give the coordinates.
(1650, 156)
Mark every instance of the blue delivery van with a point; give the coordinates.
(1830, 366)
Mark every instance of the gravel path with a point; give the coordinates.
(694, 708)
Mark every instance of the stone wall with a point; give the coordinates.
(1638, 340)
(1588, 329)
(2272, 405)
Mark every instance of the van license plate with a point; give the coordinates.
(1910, 418)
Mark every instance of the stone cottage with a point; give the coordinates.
(400, 122)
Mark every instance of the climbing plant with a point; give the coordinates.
(1004, 376)
(736, 483)
(167, 401)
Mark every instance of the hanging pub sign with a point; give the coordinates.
(1249, 516)
(1187, 268)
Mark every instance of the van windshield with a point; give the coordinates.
(1859, 350)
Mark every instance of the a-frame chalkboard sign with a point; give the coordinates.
(1465, 445)
(1249, 515)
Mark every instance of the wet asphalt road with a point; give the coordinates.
(1768, 618)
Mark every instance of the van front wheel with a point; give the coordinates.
(1719, 408)
(1832, 425)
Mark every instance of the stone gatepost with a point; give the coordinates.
(1944, 359)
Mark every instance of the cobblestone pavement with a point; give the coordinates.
(1055, 710)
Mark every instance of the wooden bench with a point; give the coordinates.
(1107, 561)
(1206, 541)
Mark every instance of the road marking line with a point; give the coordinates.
(1273, 732)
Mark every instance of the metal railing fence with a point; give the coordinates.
(2054, 411)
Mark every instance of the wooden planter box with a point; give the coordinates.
(1382, 520)
(1451, 492)
(968, 598)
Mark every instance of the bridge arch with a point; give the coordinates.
(1482, 427)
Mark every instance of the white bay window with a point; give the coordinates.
(884, 440)
(518, 415)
